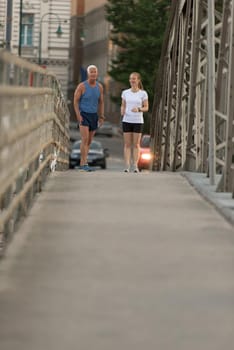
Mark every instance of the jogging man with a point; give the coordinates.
(89, 108)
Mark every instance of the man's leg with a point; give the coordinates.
(84, 146)
(91, 135)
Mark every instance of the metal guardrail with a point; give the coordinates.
(34, 136)
(193, 113)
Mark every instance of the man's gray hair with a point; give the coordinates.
(92, 66)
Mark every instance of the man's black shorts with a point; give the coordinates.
(132, 127)
(90, 120)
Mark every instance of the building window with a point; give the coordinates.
(27, 30)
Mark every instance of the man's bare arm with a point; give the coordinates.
(79, 91)
(101, 105)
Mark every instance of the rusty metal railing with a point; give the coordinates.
(34, 136)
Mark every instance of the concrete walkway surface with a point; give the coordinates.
(109, 261)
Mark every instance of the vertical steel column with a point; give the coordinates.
(228, 181)
(166, 157)
(222, 89)
(183, 46)
(161, 97)
(194, 65)
(211, 91)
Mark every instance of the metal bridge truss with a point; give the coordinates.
(193, 113)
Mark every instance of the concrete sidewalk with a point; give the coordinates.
(109, 261)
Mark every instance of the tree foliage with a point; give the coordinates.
(138, 28)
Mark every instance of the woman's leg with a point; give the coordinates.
(127, 148)
(136, 148)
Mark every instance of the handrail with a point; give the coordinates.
(34, 136)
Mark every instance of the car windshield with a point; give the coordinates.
(76, 145)
(94, 145)
(145, 141)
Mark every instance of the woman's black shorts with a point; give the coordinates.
(132, 127)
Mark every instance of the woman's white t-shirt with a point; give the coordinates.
(133, 99)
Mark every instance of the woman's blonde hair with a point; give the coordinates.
(140, 85)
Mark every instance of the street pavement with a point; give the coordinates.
(108, 260)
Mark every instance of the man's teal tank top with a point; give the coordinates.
(89, 100)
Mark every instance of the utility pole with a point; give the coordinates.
(9, 24)
(20, 26)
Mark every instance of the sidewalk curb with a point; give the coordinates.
(222, 201)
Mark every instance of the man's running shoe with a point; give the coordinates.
(85, 167)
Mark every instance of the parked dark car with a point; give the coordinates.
(105, 129)
(145, 158)
(96, 157)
